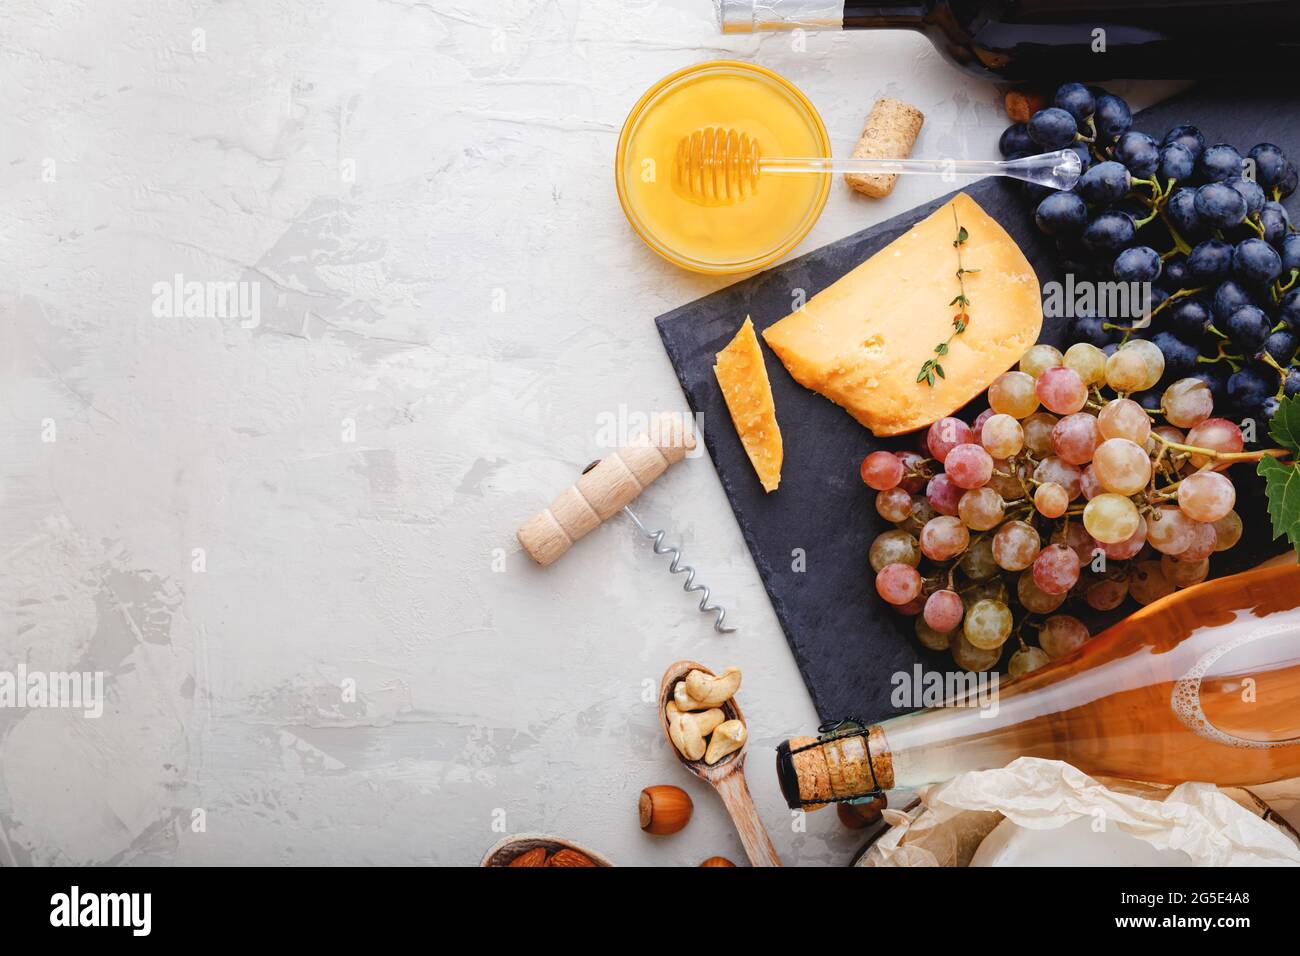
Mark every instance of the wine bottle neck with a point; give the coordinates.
(752, 16)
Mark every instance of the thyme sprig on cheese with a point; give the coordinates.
(932, 367)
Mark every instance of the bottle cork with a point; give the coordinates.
(836, 769)
(890, 132)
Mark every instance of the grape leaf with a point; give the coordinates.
(1285, 428)
(1282, 486)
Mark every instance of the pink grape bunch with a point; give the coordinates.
(1063, 489)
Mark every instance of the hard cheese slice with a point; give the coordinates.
(748, 393)
(862, 341)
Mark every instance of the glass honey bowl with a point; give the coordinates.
(733, 237)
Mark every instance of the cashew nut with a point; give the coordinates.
(674, 727)
(728, 737)
(688, 731)
(706, 690)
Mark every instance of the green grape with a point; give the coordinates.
(1183, 574)
(1147, 582)
(1038, 430)
(1027, 659)
(1126, 371)
(1111, 518)
(1151, 356)
(977, 563)
(1002, 436)
(1034, 598)
(1124, 418)
(993, 590)
(970, 657)
(988, 624)
(1187, 402)
(981, 509)
(1013, 393)
(929, 637)
(1062, 635)
(1121, 466)
(922, 512)
(1228, 531)
(1039, 359)
(894, 547)
(1088, 360)
(1015, 545)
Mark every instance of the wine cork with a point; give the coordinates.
(890, 133)
(813, 775)
(839, 768)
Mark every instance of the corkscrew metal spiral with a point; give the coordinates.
(676, 567)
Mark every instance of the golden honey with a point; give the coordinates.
(720, 237)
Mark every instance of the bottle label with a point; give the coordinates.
(1186, 696)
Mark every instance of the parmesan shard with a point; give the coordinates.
(862, 341)
(748, 393)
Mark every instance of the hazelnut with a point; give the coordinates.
(857, 816)
(665, 809)
(717, 861)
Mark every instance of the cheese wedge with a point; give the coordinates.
(862, 341)
(748, 394)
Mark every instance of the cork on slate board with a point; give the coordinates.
(890, 132)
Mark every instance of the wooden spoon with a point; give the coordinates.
(727, 776)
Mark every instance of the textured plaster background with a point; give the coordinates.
(236, 521)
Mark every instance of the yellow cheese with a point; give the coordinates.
(748, 393)
(862, 341)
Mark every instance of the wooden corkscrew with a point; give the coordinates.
(606, 487)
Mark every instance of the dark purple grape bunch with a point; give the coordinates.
(1198, 224)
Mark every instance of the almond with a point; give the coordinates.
(570, 858)
(534, 857)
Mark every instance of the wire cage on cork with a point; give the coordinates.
(847, 762)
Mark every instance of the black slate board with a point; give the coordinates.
(846, 642)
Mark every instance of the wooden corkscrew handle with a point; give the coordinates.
(606, 488)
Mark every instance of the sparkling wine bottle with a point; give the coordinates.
(1203, 685)
(1061, 39)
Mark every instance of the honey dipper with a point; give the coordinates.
(717, 167)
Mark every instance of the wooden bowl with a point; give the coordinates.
(506, 850)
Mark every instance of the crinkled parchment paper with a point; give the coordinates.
(1197, 818)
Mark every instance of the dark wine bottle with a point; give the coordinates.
(1055, 39)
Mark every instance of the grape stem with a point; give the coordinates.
(1221, 455)
(1268, 359)
(1129, 329)
(1180, 244)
